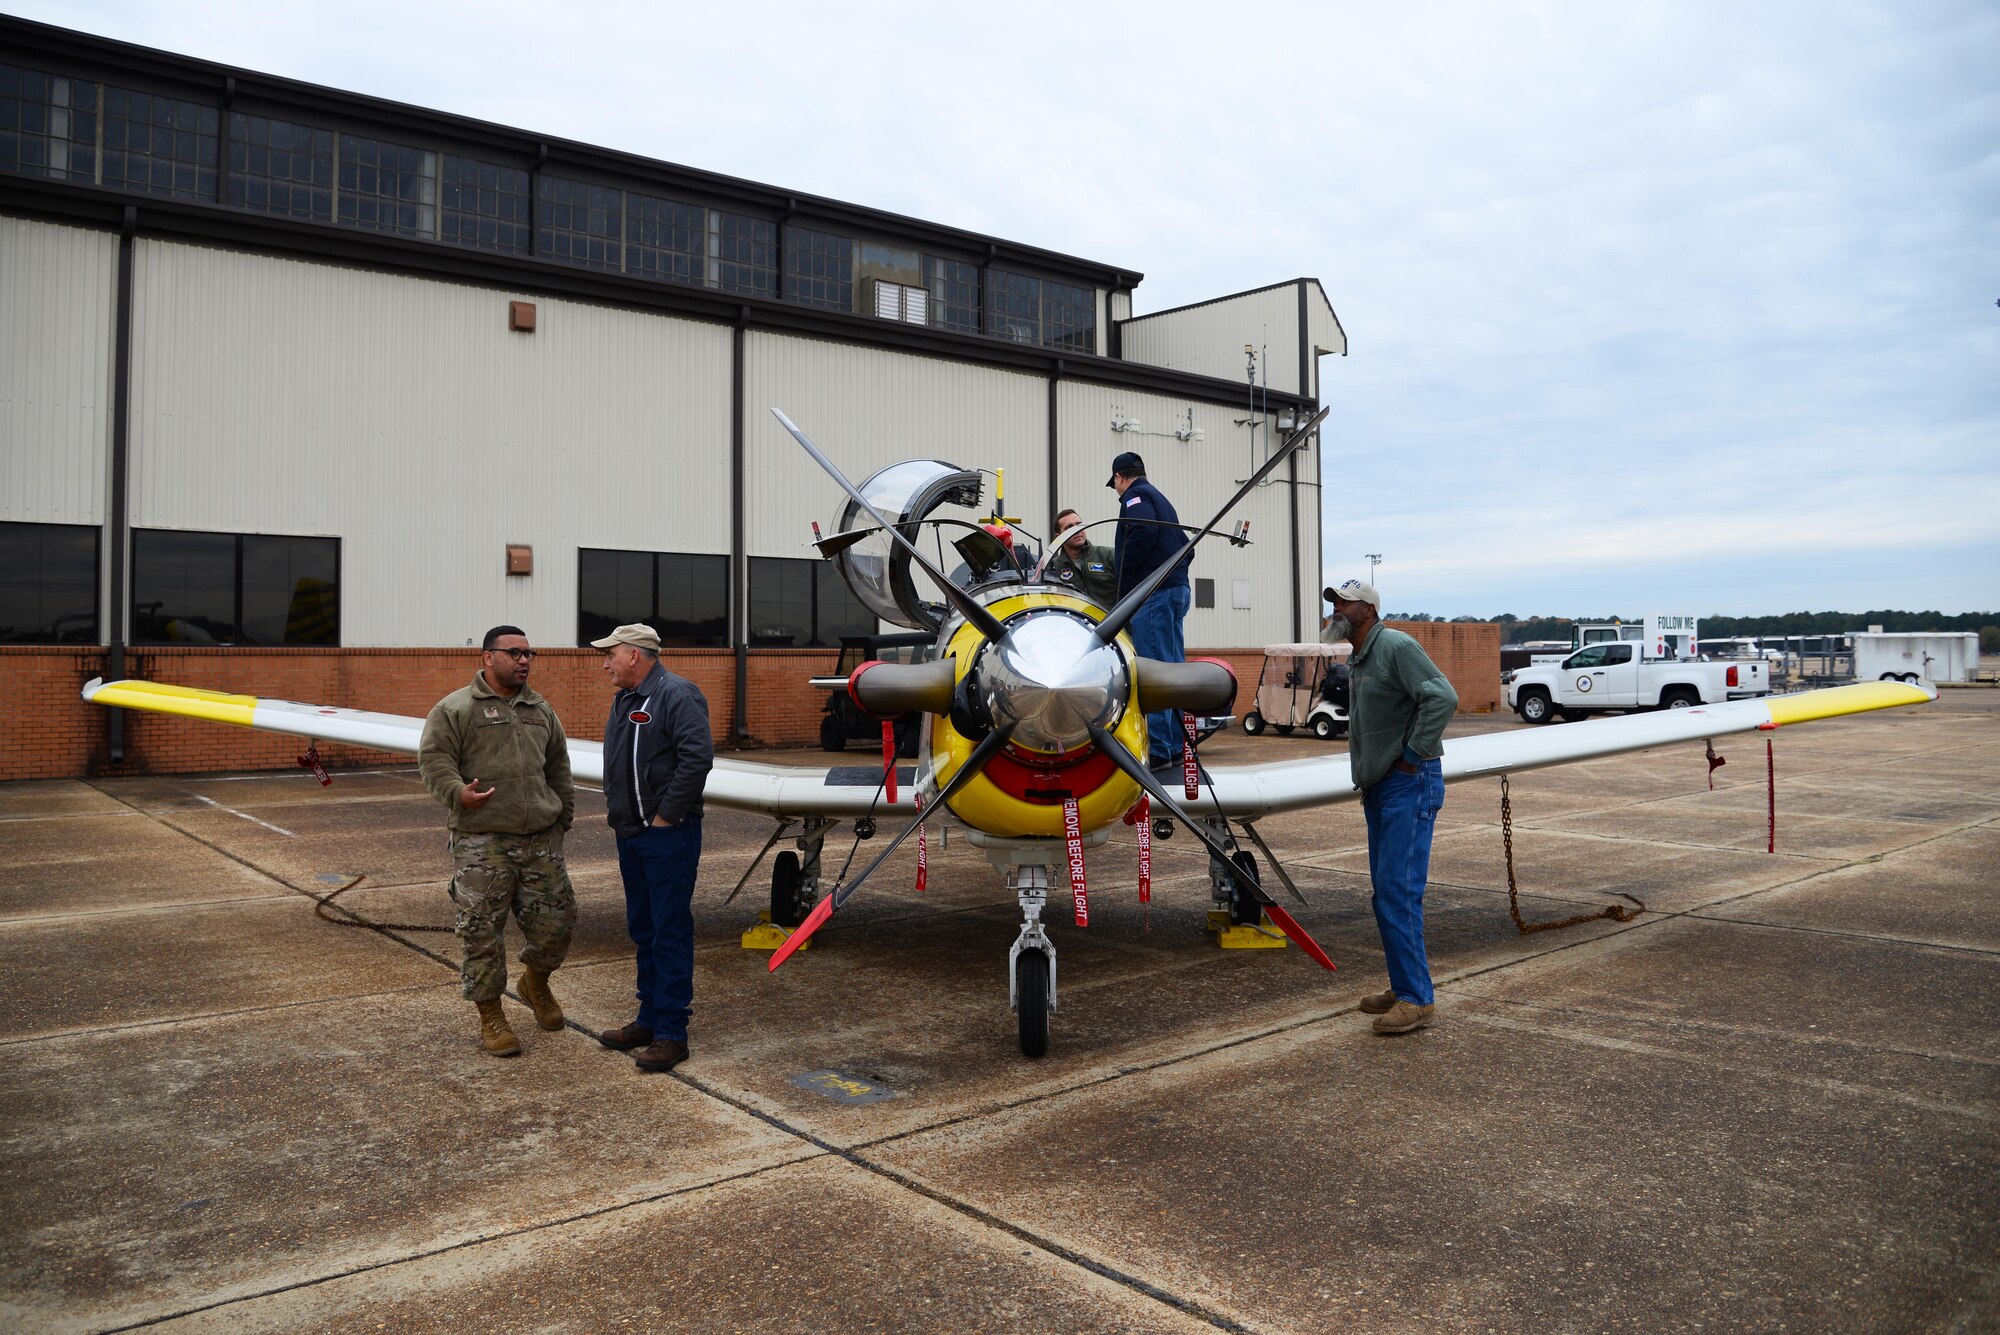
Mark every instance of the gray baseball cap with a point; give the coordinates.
(1354, 591)
(638, 634)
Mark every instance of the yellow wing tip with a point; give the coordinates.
(1836, 701)
(161, 698)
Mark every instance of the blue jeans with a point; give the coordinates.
(1402, 812)
(658, 865)
(1156, 633)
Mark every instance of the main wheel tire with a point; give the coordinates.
(1282, 729)
(1253, 723)
(1243, 905)
(832, 737)
(787, 909)
(1680, 697)
(1031, 991)
(1323, 728)
(1535, 707)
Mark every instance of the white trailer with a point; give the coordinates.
(1923, 655)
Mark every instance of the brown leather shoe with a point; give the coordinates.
(626, 1037)
(535, 991)
(1378, 1003)
(1402, 1017)
(494, 1031)
(664, 1055)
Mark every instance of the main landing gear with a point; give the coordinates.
(794, 889)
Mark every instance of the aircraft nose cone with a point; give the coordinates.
(1052, 680)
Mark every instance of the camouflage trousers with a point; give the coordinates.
(497, 872)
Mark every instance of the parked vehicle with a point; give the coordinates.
(1942, 655)
(1301, 686)
(1613, 675)
(844, 721)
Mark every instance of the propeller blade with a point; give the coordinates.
(988, 747)
(968, 606)
(1128, 762)
(1119, 616)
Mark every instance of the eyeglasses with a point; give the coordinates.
(518, 655)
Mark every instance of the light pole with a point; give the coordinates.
(1374, 559)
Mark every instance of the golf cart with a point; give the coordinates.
(1301, 686)
(844, 721)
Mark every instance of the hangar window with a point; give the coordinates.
(387, 187)
(581, 223)
(666, 239)
(819, 269)
(954, 289)
(159, 145)
(802, 602)
(1041, 311)
(485, 205)
(1069, 317)
(278, 167)
(746, 253)
(234, 588)
(48, 124)
(48, 584)
(1013, 306)
(683, 596)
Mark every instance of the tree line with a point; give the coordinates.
(1517, 629)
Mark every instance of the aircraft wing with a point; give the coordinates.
(837, 792)
(1247, 792)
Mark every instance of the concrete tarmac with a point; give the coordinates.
(1771, 1102)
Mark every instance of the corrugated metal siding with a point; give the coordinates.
(402, 416)
(58, 291)
(867, 409)
(1322, 327)
(1197, 476)
(1209, 339)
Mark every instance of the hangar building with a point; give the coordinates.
(295, 368)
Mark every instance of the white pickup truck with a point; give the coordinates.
(1613, 675)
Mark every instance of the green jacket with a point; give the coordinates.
(1397, 705)
(1094, 574)
(515, 747)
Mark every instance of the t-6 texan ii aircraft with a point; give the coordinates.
(1034, 708)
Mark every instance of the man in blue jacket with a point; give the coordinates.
(657, 754)
(1140, 549)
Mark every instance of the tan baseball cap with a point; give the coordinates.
(638, 634)
(1354, 591)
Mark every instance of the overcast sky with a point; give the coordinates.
(1651, 307)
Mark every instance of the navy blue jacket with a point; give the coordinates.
(1142, 548)
(657, 752)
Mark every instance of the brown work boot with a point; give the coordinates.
(535, 991)
(1402, 1017)
(495, 1032)
(1378, 1003)
(626, 1037)
(664, 1055)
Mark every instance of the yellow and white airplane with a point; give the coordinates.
(1034, 705)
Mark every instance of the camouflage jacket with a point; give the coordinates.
(514, 746)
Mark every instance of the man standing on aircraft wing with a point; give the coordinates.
(1141, 549)
(494, 753)
(1398, 705)
(657, 755)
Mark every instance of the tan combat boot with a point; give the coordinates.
(495, 1032)
(535, 991)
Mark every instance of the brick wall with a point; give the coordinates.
(48, 732)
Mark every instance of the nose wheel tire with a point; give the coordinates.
(1031, 982)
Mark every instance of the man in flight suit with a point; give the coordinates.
(494, 754)
(1081, 565)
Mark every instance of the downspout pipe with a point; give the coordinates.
(739, 565)
(121, 441)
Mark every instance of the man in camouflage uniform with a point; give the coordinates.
(494, 753)
(1082, 566)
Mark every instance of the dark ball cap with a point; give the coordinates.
(1127, 462)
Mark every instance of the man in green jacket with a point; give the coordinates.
(1082, 565)
(494, 753)
(1398, 705)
